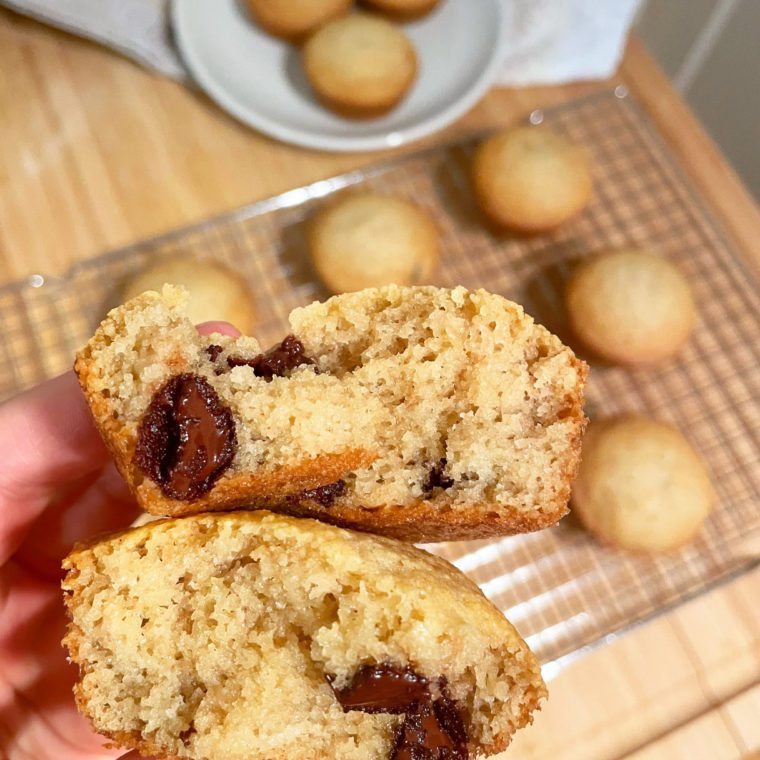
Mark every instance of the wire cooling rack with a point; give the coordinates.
(563, 591)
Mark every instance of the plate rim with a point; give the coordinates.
(305, 139)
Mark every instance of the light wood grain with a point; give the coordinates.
(727, 732)
(708, 737)
(628, 694)
(742, 715)
(96, 153)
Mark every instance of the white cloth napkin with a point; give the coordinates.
(139, 29)
(545, 41)
(557, 41)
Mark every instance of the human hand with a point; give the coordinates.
(58, 486)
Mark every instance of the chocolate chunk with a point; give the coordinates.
(324, 495)
(186, 439)
(239, 361)
(280, 359)
(431, 731)
(187, 734)
(277, 361)
(450, 721)
(213, 352)
(436, 478)
(383, 689)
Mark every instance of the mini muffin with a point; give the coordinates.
(530, 179)
(402, 9)
(630, 306)
(418, 412)
(641, 486)
(367, 240)
(215, 292)
(360, 65)
(295, 19)
(253, 636)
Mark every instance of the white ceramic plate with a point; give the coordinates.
(259, 79)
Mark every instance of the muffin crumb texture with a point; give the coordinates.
(444, 413)
(250, 635)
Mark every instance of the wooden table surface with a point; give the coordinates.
(96, 153)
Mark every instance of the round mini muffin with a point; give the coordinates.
(403, 9)
(216, 293)
(366, 240)
(630, 307)
(360, 65)
(641, 486)
(295, 19)
(530, 179)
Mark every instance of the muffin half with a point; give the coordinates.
(418, 412)
(249, 635)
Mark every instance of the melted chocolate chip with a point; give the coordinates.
(186, 438)
(324, 495)
(186, 735)
(239, 361)
(431, 731)
(383, 689)
(450, 720)
(276, 362)
(213, 352)
(436, 478)
(432, 728)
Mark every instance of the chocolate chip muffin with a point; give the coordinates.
(641, 485)
(216, 292)
(418, 412)
(369, 239)
(360, 65)
(250, 635)
(402, 10)
(631, 306)
(295, 19)
(531, 179)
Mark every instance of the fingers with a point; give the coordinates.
(99, 503)
(225, 328)
(48, 445)
(47, 439)
(37, 713)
